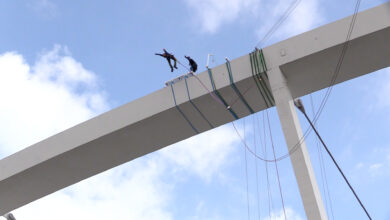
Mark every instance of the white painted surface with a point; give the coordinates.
(300, 159)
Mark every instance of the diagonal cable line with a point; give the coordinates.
(299, 105)
(279, 22)
(323, 102)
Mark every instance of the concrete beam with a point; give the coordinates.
(153, 122)
(300, 159)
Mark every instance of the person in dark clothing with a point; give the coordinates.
(192, 63)
(169, 57)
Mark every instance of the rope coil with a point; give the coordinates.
(236, 90)
(259, 74)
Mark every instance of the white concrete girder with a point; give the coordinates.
(300, 158)
(124, 133)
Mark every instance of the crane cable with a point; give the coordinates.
(276, 164)
(270, 202)
(323, 171)
(317, 115)
(256, 166)
(276, 26)
(299, 105)
(217, 99)
(323, 102)
(334, 77)
(270, 32)
(246, 178)
(328, 91)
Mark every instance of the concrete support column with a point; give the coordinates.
(300, 159)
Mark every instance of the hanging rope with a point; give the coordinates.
(181, 112)
(276, 165)
(276, 26)
(193, 104)
(320, 163)
(236, 90)
(308, 130)
(203, 85)
(326, 97)
(262, 74)
(246, 177)
(259, 80)
(339, 63)
(270, 203)
(216, 92)
(323, 171)
(329, 89)
(324, 100)
(256, 166)
(299, 105)
(296, 146)
(220, 100)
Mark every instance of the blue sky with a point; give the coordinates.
(63, 62)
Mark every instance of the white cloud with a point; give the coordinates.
(44, 7)
(212, 14)
(42, 99)
(290, 214)
(305, 17)
(375, 167)
(53, 94)
(359, 165)
(378, 169)
(377, 164)
(142, 189)
(129, 192)
(203, 155)
(58, 92)
(58, 66)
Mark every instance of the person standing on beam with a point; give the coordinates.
(192, 64)
(169, 57)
